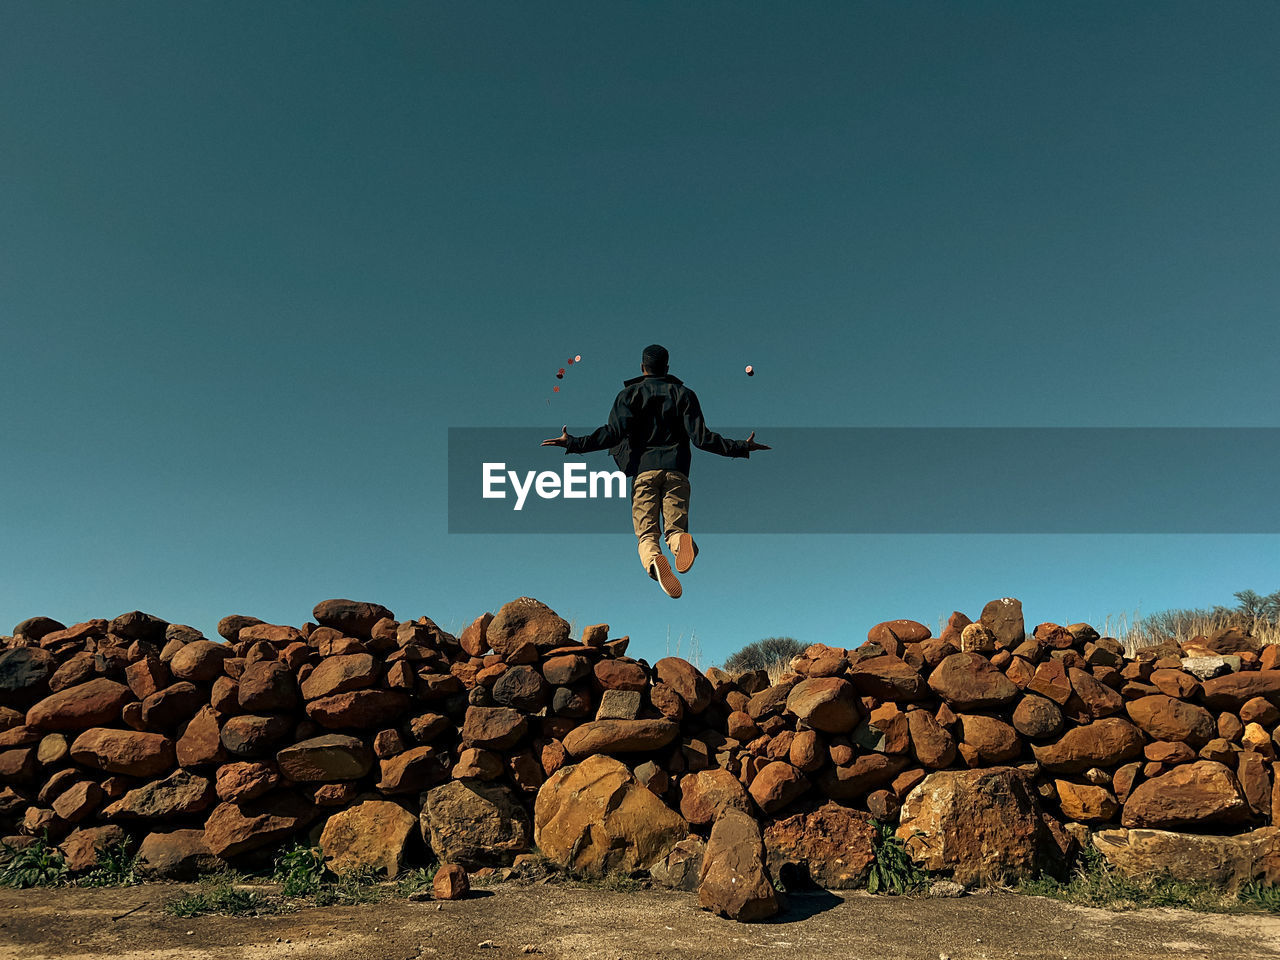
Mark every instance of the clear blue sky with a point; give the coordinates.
(255, 259)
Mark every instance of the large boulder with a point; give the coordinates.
(474, 823)
(1163, 718)
(129, 752)
(1190, 795)
(493, 728)
(24, 675)
(351, 618)
(734, 881)
(176, 855)
(888, 678)
(200, 661)
(82, 849)
(832, 844)
(235, 828)
(825, 703)
(969, 683)
(1003, 618)
(1233, 691)
(620, 736)
(705, 794)
(982, 825)
(340, 674)
(776, 785)
(523, 627)
(372, 834)
(594, 818)
(267, 686)
(95, 703)
(1224, 861)
(180, 794)
(359, 709)
(687, 680)
(1103, 743)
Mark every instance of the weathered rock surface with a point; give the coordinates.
(475, 824)
(371, 835)
(734, 880)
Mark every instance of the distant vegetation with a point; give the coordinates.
(1254, 613)
(771, 653)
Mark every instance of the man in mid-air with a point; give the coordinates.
(653, 421)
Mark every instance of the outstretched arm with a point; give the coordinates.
(603, 438)
(704, 438)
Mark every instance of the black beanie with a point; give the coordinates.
(655, 358)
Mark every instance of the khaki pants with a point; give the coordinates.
(659, 497)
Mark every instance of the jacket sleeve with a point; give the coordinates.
(603, 438)
(704, 438)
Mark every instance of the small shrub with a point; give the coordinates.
(771, 653)
(116, 867)
(361, 887)
(893, 871)
(299, 871)
(39, 865)
(220, 895)
(411, 881)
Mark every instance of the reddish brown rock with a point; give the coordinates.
(19, 765)
(1051, 681)
(372, 835)
(1086, 803)
(412, 771)
(172, 706)
(687, 681)
(888, 678)
(1162, 751)
(825, 703)
(494, 728)
(566, 669)
(777, 785)
(267, 686)
(1190, 795)
(326, 758)
(199, 662)
(201, 741)
(986, 741)
(340, 674)
(245, 781)
(1175, 683)
(856, 779)
(1096, 699)
(124, 751)
(1038, 718)
(523, 622)
(474, 639)
(1233, 690)
(665, 700)
(450, 882)
(95, 703)
(475, 764)
(594, 818)
(1163, 718)
(705, 794)
(832, 844)
(82, 848)
(983, 825)
(968, 682)
(620, 736)
(522, 688)
(235, 828)
(180, 794)
(1003, 617)
(475, 824)
(734, 882)
(620, 675)
(176, 855)
(78, 669)
(78, 801)
(1103, 743)
(250, 735)
(147, 676)
(931, 744)
(359, 709)
(350, 617)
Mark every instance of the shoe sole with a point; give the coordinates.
(686, 553)
(666, 579)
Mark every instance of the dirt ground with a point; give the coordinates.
(590, 924)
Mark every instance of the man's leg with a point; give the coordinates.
(675, 514)
(646, 514)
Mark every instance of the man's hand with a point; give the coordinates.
(752, 445)
(563, 439)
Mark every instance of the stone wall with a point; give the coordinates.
(374, 736)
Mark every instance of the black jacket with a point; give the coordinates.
(653, 420)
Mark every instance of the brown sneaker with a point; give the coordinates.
(686, 550)
(660, 570)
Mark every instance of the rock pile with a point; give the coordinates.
(995, 748)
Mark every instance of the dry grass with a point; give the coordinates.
(1136, 631)
(690, 649)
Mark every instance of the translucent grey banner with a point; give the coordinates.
(892, 480)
